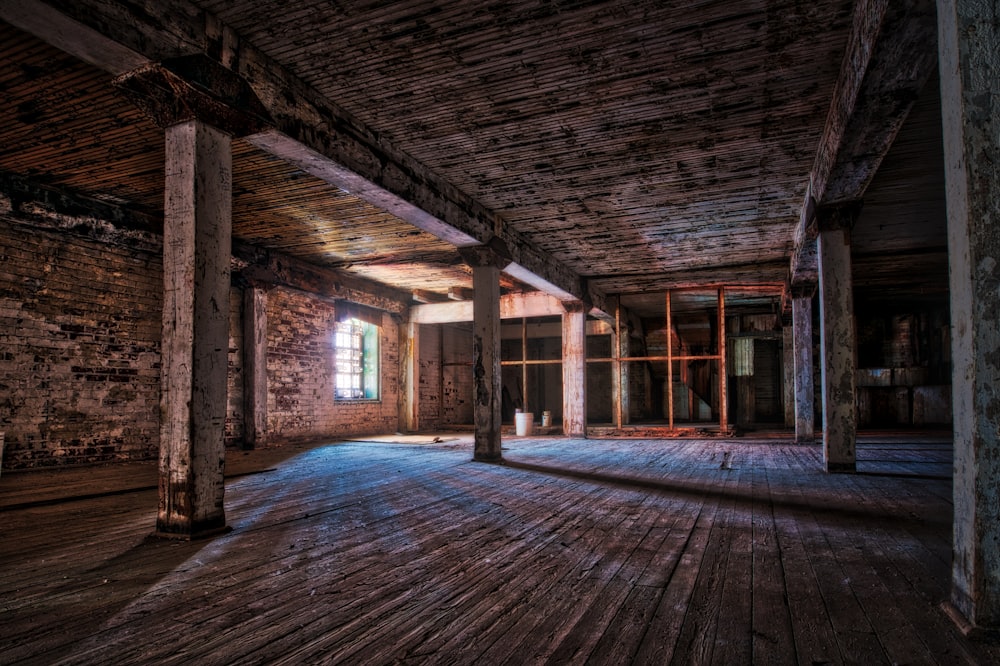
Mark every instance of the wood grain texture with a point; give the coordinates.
(403, 550)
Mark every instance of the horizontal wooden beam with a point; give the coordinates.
(888, 60)
(259, 265)
(307, 130)
(530, 304)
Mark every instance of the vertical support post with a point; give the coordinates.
(486, 361)
(624, 369)
(670, 365)
(788, 375)
(836, 312)
(803, 367)
(410, 412)
(524, 365)
(723, 395)
(616, 371)
(196, 254)
(968, 43)
(574, 367)
(254, 366)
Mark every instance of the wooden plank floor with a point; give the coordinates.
(574, 551)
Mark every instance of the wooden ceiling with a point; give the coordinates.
(642, 145)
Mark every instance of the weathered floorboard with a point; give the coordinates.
(574, 551)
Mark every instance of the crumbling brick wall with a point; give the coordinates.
(79, 348)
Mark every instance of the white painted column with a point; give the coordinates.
(574, 367)
(968, 46)
(836, 310)
(195, 342)
(254, 366)
(802, 343)
(486, 361)
(409, 417)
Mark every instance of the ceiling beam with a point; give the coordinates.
(255, 264)
(307, 130)
(512, 306)
(889, 56)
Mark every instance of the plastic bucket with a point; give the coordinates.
(524, 423)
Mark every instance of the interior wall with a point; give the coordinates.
(456, 382)
(904, 366)
(80, 327)
(431, 376)
(300, 373)
(79, 346)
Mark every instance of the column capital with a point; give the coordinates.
(803, 290)
(575, 307)
(837, 217)
(195, 87)
(493, 253)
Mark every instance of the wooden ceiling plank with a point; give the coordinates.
(887, 62)
(311, 132)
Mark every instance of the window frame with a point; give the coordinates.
(357, 345)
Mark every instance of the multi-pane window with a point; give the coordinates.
(356, 360)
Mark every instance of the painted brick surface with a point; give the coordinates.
(79, 348)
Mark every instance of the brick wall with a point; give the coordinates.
(300, 401)
(80, 326)
(79, 348)
(234, 382)
(430, 377)
(457, 384)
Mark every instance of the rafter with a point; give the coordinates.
(890, 55)
(306, 129)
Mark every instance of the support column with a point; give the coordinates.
(836, 310)
(802, 344)
(574, 367)
(195, 343)
(409, 416)
(487, 261)
(968, 43)
(788, 375)
(254, 366)
(620, 376)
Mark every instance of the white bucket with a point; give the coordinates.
(546, 418)
(524, 423)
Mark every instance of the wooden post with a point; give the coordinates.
(836, 309)
(968, 44)
(254, 366)
(723, 399)
(803, 368)
(670, 365)
(409, 417)
(486, 261)
(624, 369)
(196, 280)
(524, 365)
(574, 367)
(616, 372)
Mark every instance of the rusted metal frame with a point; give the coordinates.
(704, 357)
(528, 362)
